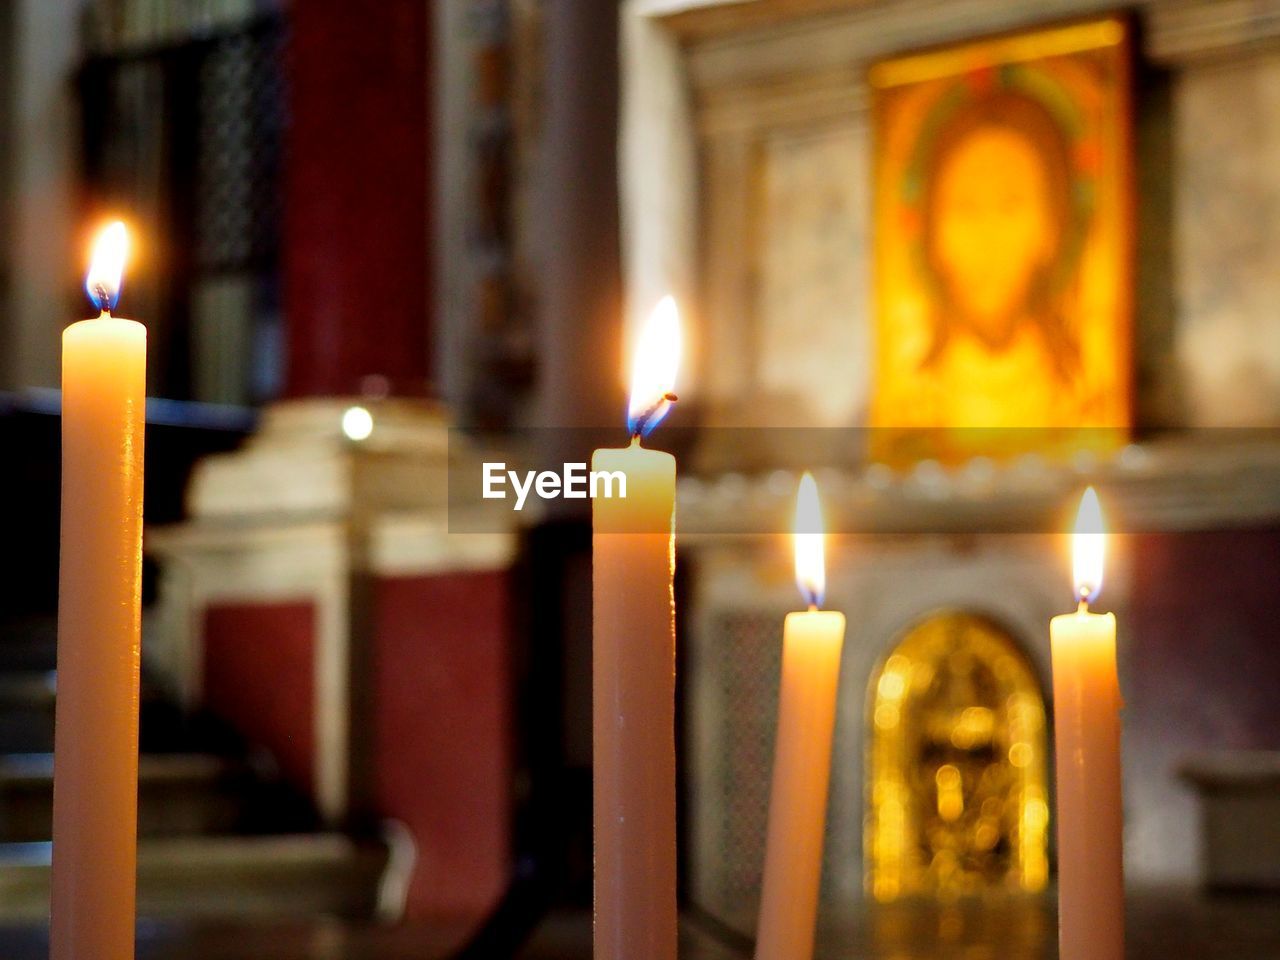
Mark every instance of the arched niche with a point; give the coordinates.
(956, 760)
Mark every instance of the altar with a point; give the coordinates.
(752, 153)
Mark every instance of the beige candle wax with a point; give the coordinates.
(633, 674)
(99, 594)
(1086, 694)
(811, 646)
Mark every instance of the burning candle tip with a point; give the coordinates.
(106, 267)
(653, 371)
(1088, 548)
(807, 542)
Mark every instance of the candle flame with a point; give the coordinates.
(1088, 547)
(811, 570)
(653, 369)
(107, 266)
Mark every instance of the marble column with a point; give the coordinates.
(314, 598)
(38, 177)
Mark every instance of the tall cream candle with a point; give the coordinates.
(99, 644)
(633, 673)
(811, 647)
(1086, 695)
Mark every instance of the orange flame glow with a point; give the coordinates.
(1088, 547)
(653, 369)
(811, 569)
(107, 266)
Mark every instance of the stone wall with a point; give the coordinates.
(746, 174)
(769, 114)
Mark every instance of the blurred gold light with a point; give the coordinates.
(956, 781)
(950, 792)
(892, 685)
(887, 716)
(1020, 754)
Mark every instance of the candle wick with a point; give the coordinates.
(1084, 605)
(813, 606)
(640, 425)
(103, 298)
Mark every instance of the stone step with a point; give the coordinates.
(178, 795)
(301, 875)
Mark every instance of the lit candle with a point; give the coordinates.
(811, 646)
(99, 643)
(1086, 695)
(633, 673)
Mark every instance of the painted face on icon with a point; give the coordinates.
(995, 231)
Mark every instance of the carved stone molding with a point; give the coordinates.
(1174, 30)
(1168, 485)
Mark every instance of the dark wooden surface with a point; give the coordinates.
(1163, 925)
